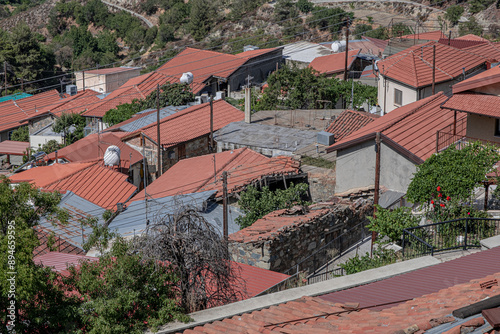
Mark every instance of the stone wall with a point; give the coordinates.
(39, 123)
(321, 183)
(290, 245)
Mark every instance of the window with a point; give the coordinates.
(398, 97)
(497, 127)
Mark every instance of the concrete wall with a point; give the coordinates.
(386, 94)
(104, 83)
(481, 127)
(292, 245)
(225, 146)
(355, 168)
(37, 124)
(38, 141)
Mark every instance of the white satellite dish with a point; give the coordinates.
(186, 78)
(112, 156)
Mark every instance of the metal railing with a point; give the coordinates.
(463, 233)
(323, 276)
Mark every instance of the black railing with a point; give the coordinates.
(323, 276)
(463, 233)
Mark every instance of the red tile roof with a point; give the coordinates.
(60, 261)
(410, 129)
(14, 147)
(379, 43)
(348, 122)
(94, 146)
(431, 35)
(204, 64)
(413, 66)
(271, 225)
(243, 165)
(14, 112)
(75, 104)
(487, 50)
(98, 184)
(60, 244)
(420, 299)
(191, 123)
(334, 63)
(472, 37)
(459, 43)
(135, 88)
(369, 45)
(111, 70)
(486, 78)
(479, 104)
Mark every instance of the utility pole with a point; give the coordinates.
(211, 123)
(377, 183)
(159, 172)
(433, 68)
(224, 205)
(346, 48)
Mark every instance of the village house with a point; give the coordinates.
(183, 134)
(408, 76)
(220, 72)
(348, 122)
(334, 65)
(105, 80)
(302, 53)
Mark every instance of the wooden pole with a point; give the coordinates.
(433, 69)
(346, 49)
(211, 123)
(159, 171)
(377, 183)
(224, 204)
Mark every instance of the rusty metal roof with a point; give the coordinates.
(422, 281)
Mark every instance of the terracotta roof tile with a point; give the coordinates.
(274, 223)
(486, 78)
(14, 147)
(413, 66)
(197, 174)
(60, 244)
(459, 43)
(431, 35)
(100, 185)
(192, 122)
(334, 63)
(472, 37)
(94, 146)
(479, 104)
(348, 122)
(14, 112)
(487, 50)
(204, 64)
(411, 128)
(75, 104)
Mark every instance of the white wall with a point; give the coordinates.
(386, 94)
(37, 141)
(355, 168)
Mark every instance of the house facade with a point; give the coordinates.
(105, 80)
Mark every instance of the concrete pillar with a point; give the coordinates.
(248, 111)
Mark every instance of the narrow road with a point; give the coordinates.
(397, 1)
(148, 23)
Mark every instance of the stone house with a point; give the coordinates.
(105, 80)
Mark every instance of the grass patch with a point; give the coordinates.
(318, 162)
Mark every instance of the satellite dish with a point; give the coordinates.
(112, 156)
(186, 78)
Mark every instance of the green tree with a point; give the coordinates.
(470, 27)
(457, 171)
(71, 126)
(21, 134)
(50, 146)
(333, 19)
(362, 29)
(305, 6)
(94, 11)
(390, 223)
(201, 18)
(381, 257)
(453, 13)
(256, 204)
(380, 33)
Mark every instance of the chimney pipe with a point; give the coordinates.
(248, 112)
(56, 155)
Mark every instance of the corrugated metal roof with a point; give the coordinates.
(265, 136)
(304, 51)
(16, 96)
(422, 281)
(334, 63)
(413, 66)
(14, 147)
(74, 231)
(479, 104)
(191, 123)
(197, 174)
(149, 118)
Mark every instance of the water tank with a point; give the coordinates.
(186, 78)
(112, 156)
(71, 90)
(338, 46)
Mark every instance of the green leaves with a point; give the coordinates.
(381, 257)
(256, 204)
(390, 223)
(457, 171)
